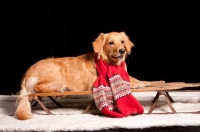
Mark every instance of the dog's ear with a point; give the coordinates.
(98, 43)
(128, 43)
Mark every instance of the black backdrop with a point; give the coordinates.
(166, 36)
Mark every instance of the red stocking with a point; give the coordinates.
(110, 113)
(129, 105)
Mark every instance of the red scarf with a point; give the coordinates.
(111, 91)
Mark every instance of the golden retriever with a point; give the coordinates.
(73, 73)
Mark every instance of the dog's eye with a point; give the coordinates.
(111, 43)
(122, 41)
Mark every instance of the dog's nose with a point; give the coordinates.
(122, 51)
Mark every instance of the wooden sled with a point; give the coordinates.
(160, 87)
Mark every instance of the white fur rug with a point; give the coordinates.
(70, 117)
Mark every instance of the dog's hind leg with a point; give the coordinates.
(45, 88)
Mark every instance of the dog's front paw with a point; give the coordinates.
(139, 84)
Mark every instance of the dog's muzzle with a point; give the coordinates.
(117, 57)
(120, 55)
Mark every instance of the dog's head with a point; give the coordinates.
(112, 47)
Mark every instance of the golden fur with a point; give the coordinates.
(73, 73)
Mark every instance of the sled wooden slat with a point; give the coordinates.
(160, 87)
(155, 86)
(62, 93)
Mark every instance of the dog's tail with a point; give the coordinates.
(23, 110)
